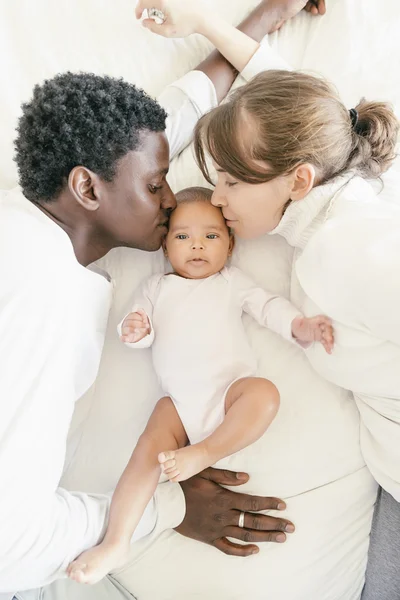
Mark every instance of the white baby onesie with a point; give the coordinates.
(198, 340)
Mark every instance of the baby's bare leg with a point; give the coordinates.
(251, 405)
(133, 492)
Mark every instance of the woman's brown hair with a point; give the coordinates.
(288, 118)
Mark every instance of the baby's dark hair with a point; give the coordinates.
(197, 194)
(194, 194)
(79, 119)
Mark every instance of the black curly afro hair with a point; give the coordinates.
(79, 119)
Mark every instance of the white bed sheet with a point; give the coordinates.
(310, 456)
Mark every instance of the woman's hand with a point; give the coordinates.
(212, 514)
(183, 17)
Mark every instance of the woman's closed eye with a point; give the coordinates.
(231, 183)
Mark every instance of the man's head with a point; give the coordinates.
(100, 141)
(199, 242)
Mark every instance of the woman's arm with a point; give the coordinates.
(235, 46)
(202, 89)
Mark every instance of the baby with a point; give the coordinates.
(216, 405)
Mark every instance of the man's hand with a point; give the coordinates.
(283, 10)
(135, 327)
(212, 514)
(316, 7)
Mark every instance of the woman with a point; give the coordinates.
(292, 160)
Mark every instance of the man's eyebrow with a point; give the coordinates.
(160, 172)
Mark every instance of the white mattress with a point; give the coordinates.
(310, 456)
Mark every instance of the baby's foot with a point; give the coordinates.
(182, 464)
(96, 563)
(314, 329)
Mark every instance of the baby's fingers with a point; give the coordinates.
(131, 325)
(328, 338)
(134, 336)
(144, 317)
(322, 321)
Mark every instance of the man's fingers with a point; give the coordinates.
(246, 503)
(251, 535)
(258, 522)
(223, 477)
(232, 549)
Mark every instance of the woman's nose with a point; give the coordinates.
(218, 199)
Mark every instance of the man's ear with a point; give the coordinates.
(83, 184)
(302, 182)
(231, 243)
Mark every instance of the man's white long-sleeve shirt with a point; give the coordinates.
(53, 314)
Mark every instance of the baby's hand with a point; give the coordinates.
(135, 327)
(314, 329)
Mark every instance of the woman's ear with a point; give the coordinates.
(302, 182)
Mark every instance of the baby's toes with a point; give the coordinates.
(168, 465)
(173, 475)
(76, 571)
(163, 457)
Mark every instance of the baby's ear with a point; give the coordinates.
(164, 246)
(231, 243)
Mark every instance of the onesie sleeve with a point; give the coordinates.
(143, 299)
(269, 310)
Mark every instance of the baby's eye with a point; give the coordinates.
(181, 236)
(212, 236)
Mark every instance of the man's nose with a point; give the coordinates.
(169, 200)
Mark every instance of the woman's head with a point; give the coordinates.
(282, 134)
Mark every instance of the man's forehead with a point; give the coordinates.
(152, 154)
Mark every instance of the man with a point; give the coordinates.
(93, 156)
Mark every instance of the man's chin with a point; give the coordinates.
(150, 246)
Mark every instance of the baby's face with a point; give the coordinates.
(198, 242)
